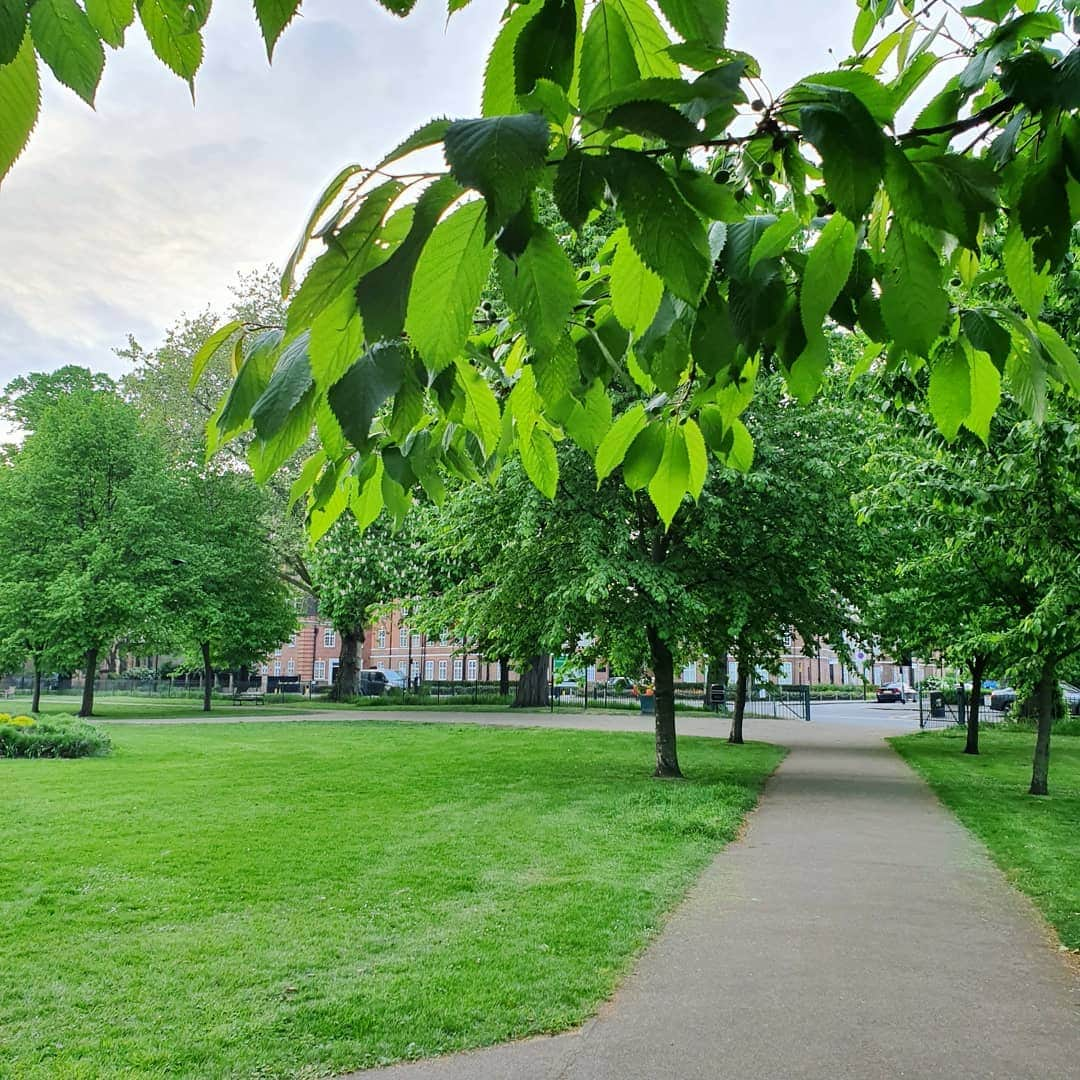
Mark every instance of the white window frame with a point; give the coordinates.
(320, 670)
(329, 638)
(429, 670)
(442, 671)
(459, 669)
(474, 670)
(403, 637)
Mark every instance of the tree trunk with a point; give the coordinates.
(1045, 707)
(35, 701)
(504, 675)
(348, 675)
(977, 667)
(208, 675)
(663, 665)
(742, 688)
(532, 688)
(87, 707)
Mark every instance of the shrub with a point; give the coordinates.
(50, 736)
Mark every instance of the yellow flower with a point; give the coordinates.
(23, 721)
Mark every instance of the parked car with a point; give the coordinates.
(566, 689)
(1001, 700)
(894, 691)
(373, 682)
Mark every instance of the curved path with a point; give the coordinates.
(857, 932)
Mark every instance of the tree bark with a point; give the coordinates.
(87, 707)
(532, 688)
(663, 665)
(348, 680)
(35, 701)
(742, 688)
(504, 675)
(1045, 707)
(208, 675)
(977, 667)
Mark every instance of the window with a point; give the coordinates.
(429, 669)
(265, 668)
(472, 671)
(277, 667)
(292, 642)
(320, 670)
(416, 641)
(457, 668)
(290, 668)
(382, 637)
(329, 638)
(402, 667)
(403, 637)
(442, 670)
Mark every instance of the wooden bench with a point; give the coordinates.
(254, 696)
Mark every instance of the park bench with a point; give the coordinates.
(254, 696)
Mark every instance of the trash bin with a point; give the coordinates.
(937, 704)
(648, 704)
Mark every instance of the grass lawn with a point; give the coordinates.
(1036, 841)
(280, 900)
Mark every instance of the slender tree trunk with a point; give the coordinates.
(87, 707)
(742, 688)
(35, 701)
(663, 665)
(348, 680)
(1045, 707)
(977, 666)
(208, 675)
(504, 675)
(532, 688)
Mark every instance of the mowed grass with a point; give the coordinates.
(296, 900)
(1036, 841)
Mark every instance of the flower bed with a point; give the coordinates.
(59, 736)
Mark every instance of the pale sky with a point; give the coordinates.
(119, 220)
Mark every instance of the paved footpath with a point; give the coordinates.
(857, 932)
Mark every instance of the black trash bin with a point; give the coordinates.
(937, 704)
(648, 704)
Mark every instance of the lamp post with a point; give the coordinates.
(314, 652)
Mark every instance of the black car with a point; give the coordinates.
(893, 692)
(1001, 700)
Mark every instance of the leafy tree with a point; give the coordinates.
(27, 397)
(230, 604)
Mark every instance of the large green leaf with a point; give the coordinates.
(1065, 360)
(12, 29)
(541, 464)
(357, 396)
(274, 16)
(428, 134)
(877, 98)
(607, 56)
(288, 384)
(775, 239)
(266, 456)
(500, 91)
(545, 47)
(635, 289)
(647, 38)
(210, 347)
(482, 416)
(664, 230)
(950, 390)
(615, 444)
(1028, 283)
(541, 286)
(987, 335)
(67, 42)
(985, 394)
(336, 340)
(502, 157)
(175, 34)
(579, 186)
(20, 101)
(260, 352)
(447, 284)
(697, 456)
(643, 457)
(110, 18)
(654, 120)
(671, 480)
(827, 268)
(383, 293)
(698, 20)
(914, 304)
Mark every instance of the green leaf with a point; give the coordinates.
(541, 287)
(305, 481)
(579, 187)
(383, 293)
(1062, 355)
(401, 8)
(774, 240)
(500, 92)
(698, 457)
(482, 416)
(664, 230)
(260, 352)
(67, 42)
(502, 157)
(12, 29)
(336, 341)
(428, 134)
(914, 304)
(741, 454)
(209, 347)
(274, 16)
(545, 47)
(643, 457)
(367, 503)
(698, 20)
(1027, 283)
(266, 456)
(877, 99)
(110, 19)
(647, 38)
(987, 335)
(288, 384)
(541, 464)
(358, 395)
(615, 444)
(654, 120)
(950, 390)
(175, 35)
(20, 101)
(635, 289)
(447, 284)
(672, 477)
(588, 421)
(804, 378)
(607, 56)
(827, 268)
(985, 395)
